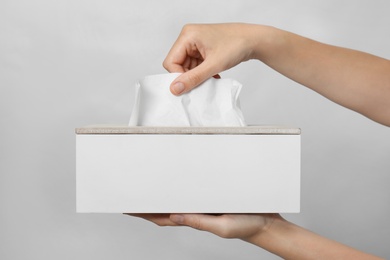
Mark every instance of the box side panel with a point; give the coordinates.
(188, 173)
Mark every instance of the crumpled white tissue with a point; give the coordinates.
(214, 103)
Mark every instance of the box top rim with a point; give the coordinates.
(123, 129)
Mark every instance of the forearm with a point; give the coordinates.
(353, 79)
(290, 241)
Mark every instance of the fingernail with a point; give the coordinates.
(179, 219)
(178, 88)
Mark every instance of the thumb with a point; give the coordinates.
(191, 79)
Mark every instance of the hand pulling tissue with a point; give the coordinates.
(214, 103)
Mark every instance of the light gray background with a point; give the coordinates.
(65, 64)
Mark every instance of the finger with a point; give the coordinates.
(182, 64)
(176, 57)
(158, 219)
(194, 63)
(176, 68)
(192, 78)
(210, 223)
(187, 64)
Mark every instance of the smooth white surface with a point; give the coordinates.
(188, 173)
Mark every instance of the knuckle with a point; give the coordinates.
(187, 27)
(191, 31)
(165, 64)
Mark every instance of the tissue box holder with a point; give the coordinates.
(254, 169)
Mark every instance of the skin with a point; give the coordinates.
(353, 79)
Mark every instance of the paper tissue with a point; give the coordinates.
(191, 153)
(214, 103)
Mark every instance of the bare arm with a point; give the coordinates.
(353, 79)
(268, 231)
(356, 80)
(290, 241)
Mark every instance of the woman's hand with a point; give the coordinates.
(202, 51)
(242, 226)
(353, 79)
(268, 231)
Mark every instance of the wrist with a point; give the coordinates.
(267, 42)
(266, 229)
(274, 236)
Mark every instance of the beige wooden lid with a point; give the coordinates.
(123, 129)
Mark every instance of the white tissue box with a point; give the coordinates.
(254, 169)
